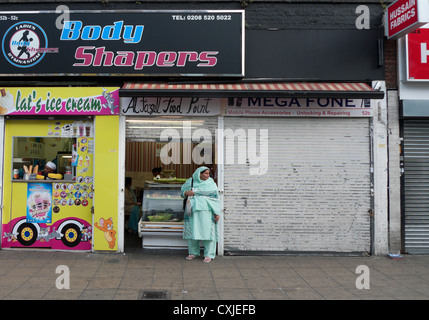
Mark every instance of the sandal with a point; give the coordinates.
(190, 257)
(207, 259)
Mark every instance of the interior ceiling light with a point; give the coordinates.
(165, 122)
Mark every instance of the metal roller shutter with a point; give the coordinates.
(316, 194)
(416, 185)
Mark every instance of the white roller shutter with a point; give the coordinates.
(315, 196)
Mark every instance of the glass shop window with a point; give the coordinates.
(32, 156)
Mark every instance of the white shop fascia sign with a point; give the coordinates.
(170, 106)
(288, 107)
(294, 107)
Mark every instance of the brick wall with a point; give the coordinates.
(390, 47)
(259, 14)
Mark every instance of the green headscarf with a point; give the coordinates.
(206, 192)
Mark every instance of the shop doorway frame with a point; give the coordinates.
(220, 181)
(2, 139)
(121, 184)
(219, 142)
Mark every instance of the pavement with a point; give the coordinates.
(140, 274)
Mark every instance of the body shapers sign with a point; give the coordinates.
(59, 101)
(123, 42)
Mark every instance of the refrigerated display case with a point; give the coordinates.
(64, 159)
(161, 225)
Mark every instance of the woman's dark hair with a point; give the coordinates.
(157, 170)
(206, 170)
(128, 181)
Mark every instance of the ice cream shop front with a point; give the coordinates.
(51, 181)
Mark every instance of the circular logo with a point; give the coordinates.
(24, 44)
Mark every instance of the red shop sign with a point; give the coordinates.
(404, 16)
(418, 55)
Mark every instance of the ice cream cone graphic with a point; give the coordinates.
(6, 102)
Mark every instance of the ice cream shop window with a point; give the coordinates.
(44, 158)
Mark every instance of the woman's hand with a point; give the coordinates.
(216, 218)
(189, 193)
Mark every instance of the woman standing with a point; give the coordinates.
(201, 217)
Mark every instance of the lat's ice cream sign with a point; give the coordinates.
(405, 16)
(59, 101)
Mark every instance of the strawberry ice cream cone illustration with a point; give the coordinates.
(6, 102)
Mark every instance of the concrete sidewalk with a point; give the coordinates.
(32, 275)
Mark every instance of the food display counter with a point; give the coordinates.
(161, 225)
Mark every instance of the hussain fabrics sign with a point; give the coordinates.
(118, 43)
(404, 16)
(418, 55)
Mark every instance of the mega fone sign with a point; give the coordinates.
(417, 47)
(298, 107)
(404, 16)
(149, 43)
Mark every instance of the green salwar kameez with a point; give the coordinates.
(199, 225)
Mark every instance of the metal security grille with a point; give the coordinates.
(416, 185)
(315, 196)
(154, 295)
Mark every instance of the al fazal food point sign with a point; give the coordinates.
(59, 101)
